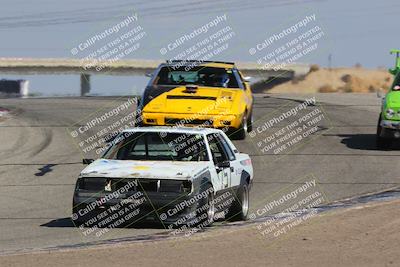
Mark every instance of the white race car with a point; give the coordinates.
(181, 176)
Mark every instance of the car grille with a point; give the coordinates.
(92, 184)
(172, 121)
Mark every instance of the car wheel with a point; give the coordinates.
(240, 206)
(207, 207)
(250, 122)
(240, 133)
(138, 120)
(381, 142)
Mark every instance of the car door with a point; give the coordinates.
(221, 160)
(247, 89)
(235, 166)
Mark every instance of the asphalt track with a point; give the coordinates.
(39, 163)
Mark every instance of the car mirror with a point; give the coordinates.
(87, 161)
(149, 75)
(247, 79)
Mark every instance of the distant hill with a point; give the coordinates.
(357, 80)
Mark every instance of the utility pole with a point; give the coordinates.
(85, 83)
(330, 62)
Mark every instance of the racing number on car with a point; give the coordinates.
(221, 160)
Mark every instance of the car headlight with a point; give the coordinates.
(389, 113)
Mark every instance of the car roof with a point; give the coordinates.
(172, 129)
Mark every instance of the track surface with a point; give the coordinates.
(39, 163)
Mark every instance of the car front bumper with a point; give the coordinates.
(204, 120)
(390, 129)
(165, 208)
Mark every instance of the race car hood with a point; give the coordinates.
(201, 100)
(174, 170)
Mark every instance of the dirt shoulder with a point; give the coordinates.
(360, 236)
(342, 80)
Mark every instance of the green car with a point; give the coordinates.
(389, 119)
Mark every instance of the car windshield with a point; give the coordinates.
(199, 75)
(158, 146)
(396, 84)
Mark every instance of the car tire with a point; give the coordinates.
(207, 207)
(381, 142)
(250, 122)
(239, 209)
(138, 120)
(240, 133)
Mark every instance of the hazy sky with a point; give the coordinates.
(355, 30)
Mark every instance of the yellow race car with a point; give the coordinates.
(198, 93)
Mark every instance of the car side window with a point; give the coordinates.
(227, 147)
(239, 78)
(217, 150)
(396, 84)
